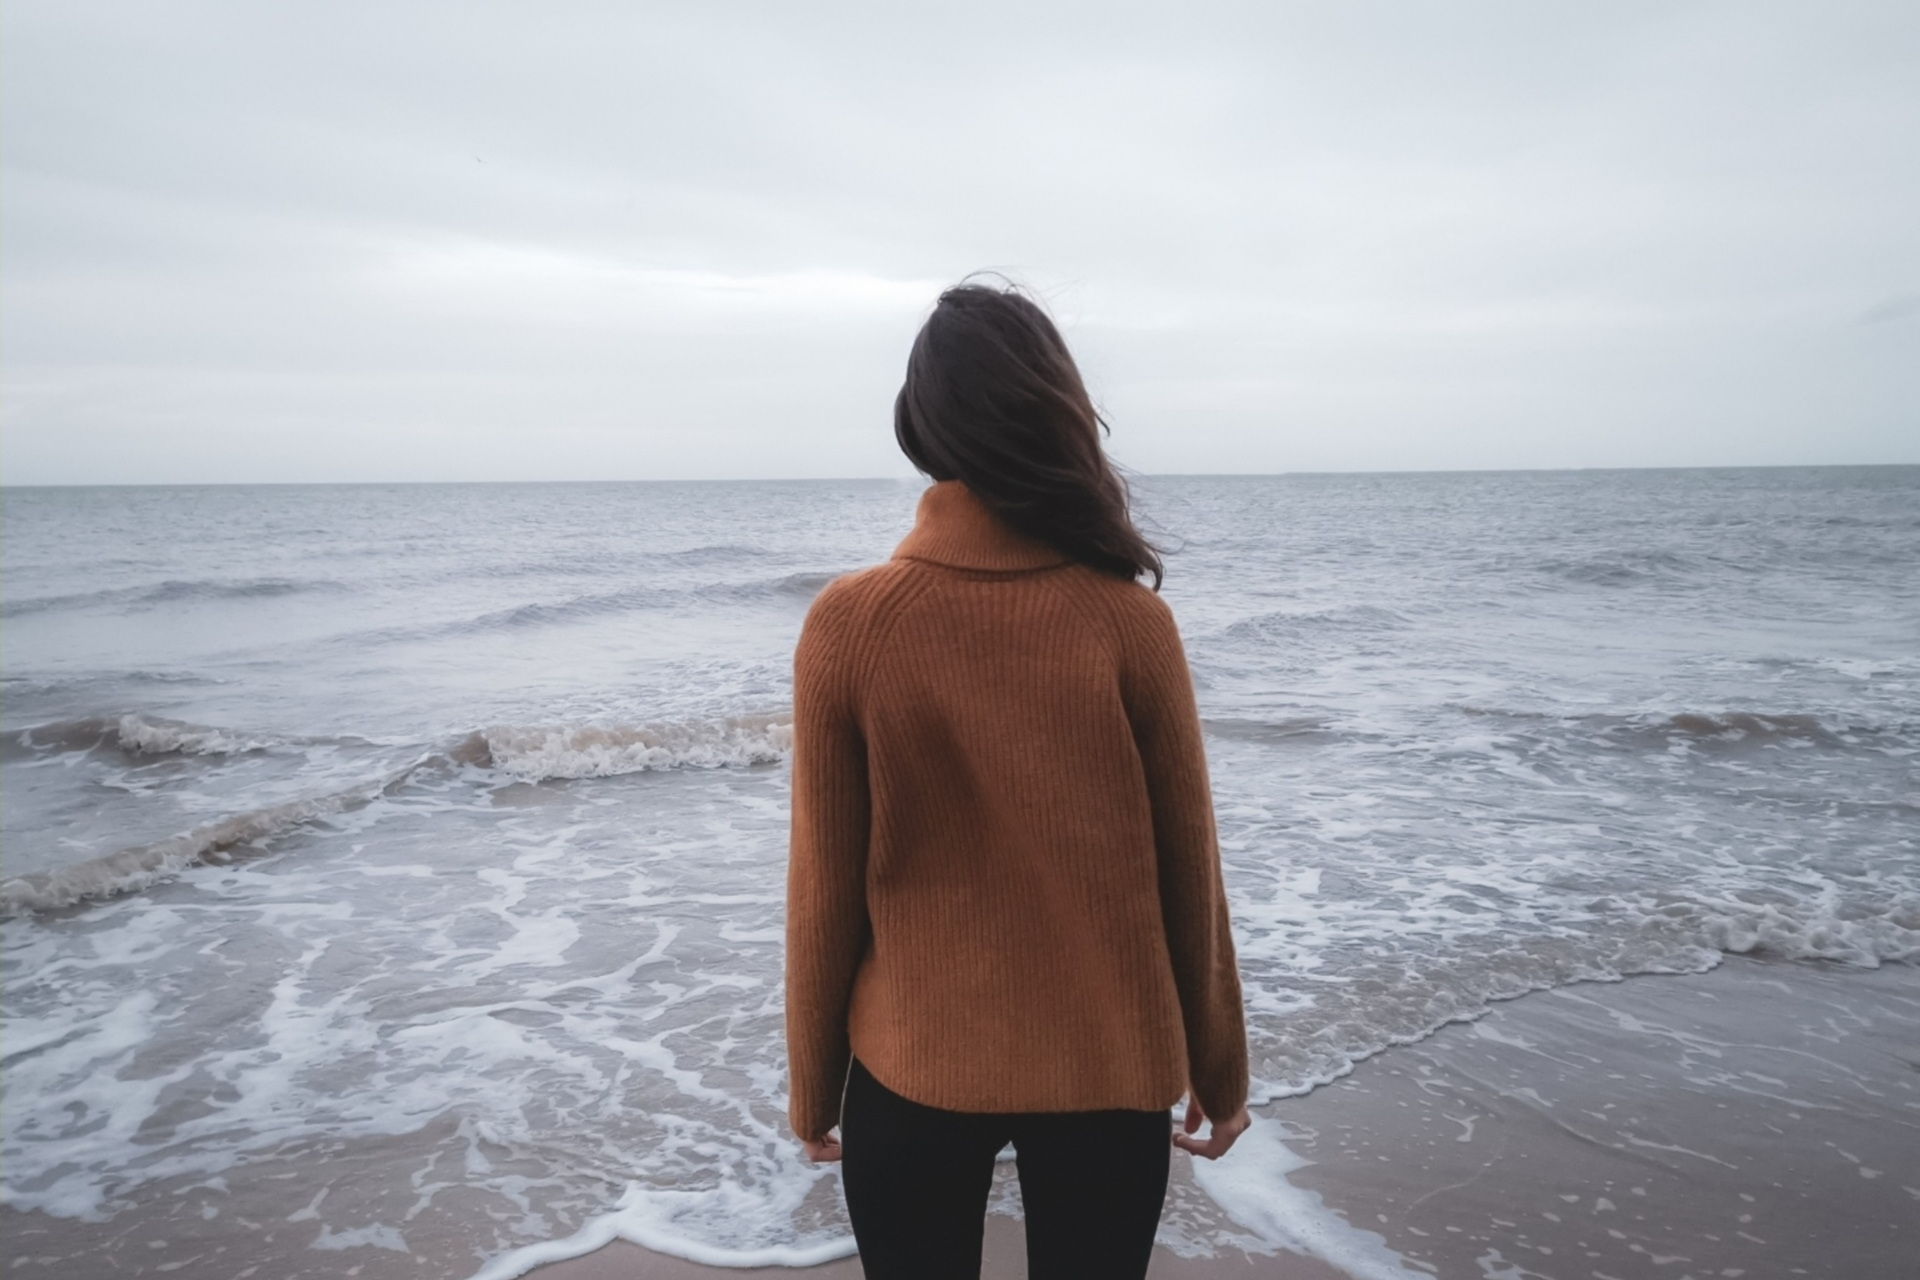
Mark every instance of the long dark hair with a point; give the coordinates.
(994, 400)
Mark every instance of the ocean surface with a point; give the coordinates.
(399, 868)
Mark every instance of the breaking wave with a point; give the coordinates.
(173, 591)
(803, 586)
(1624, 569)
(1366, 1014)
(136, 734)
(217, 842)
(1748, 728)
(1297, 729)
(526, 753)
(794, 587)
(1286, 625)
(535, 752)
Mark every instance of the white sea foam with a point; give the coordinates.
(139, 866)
(533, 752)
(528, 753)
(1250, 1184)
(377, 1235)
(660, 1221)
(1336, 1027)
(153, 736)
(140, 734)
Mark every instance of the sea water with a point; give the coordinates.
(399, 868)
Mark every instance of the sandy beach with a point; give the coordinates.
(1762, 1120)
(1004, 1257)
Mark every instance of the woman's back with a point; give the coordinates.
(1005, 922)
(1004, 885)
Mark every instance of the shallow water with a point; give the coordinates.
(1759, 1120)
(436, 833)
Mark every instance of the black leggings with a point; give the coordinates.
(917, 1177)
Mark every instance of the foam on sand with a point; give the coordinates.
(1756, 1120)
(1250, 1184)
(650, 1218)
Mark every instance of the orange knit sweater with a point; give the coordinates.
(1004, 892)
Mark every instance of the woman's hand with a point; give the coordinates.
(822, 1150)
(1218, 1139)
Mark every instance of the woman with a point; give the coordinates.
(1005, 921)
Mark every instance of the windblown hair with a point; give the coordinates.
(994, 400)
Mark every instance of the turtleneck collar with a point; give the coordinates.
(955, 528)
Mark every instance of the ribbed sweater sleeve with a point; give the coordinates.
(1158, 690)
(827, 924)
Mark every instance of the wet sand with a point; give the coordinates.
(1004, 1257)
(1762, 1120)
(1759, 1121)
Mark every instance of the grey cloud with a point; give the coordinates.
(1898, 307)
(491, 241)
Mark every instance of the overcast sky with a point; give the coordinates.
(419, 241)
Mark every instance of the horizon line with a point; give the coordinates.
(876, 479)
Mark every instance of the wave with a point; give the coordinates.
(142, 865)
(713, 553)
(136, 734)
(1744, 725)
(172, 591)
(1864, 940)
(21, 686)
(1633, 936)
(592, 605)
(802, 586)
(535, 752)
(1623, 569)
(1282, 625)
(1300, 729)
(1723, 728)
(1742, 730)
(527, 753)
(798, 586)
(597, 562)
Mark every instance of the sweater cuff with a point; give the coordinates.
(813, 1110)
(1221, 1093)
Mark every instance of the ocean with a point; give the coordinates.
(393, 874)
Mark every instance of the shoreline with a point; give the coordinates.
(1600, 1129)
(1761, 1119)
(1002, 1256)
